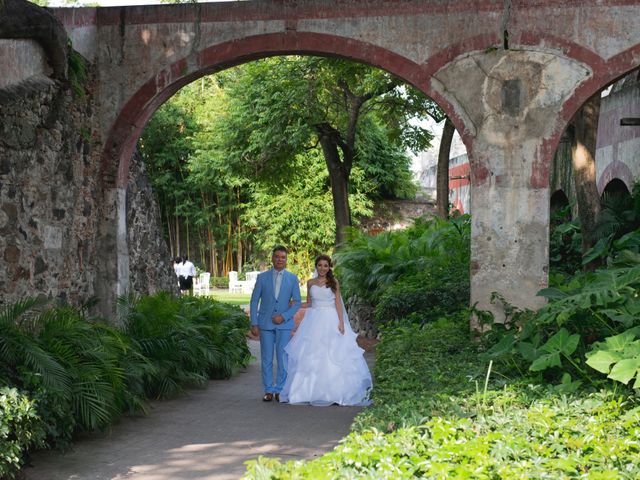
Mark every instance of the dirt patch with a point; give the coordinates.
(367, 344)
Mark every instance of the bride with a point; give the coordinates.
(324, 363)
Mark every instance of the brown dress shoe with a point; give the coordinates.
(277, 395)
(267, 397)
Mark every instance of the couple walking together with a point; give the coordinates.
(321, 364)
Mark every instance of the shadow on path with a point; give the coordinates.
(208, 434)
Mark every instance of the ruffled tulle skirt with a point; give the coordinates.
(325, 367)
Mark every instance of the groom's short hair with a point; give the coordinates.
(280, 248)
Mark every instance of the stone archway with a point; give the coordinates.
(509, 75)
(144, 102)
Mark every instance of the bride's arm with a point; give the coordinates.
(339, 308)
(307, 304)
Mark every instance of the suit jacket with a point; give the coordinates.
(264, 304)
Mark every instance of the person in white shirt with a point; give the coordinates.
(176, 265)
(186, 271)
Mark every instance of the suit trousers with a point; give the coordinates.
(273, 341)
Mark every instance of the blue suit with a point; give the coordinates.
(264, 305)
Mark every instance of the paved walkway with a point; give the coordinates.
(206, 435)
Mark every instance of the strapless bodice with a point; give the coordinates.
(322, 297)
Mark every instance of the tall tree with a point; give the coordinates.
(281, 106)
(583, 132)
(442, 176)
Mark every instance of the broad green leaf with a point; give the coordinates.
(546, 361)
(603, 359)
(621, 341)
(625, 370)
(620, 316)
(552, 293)
(528, 351)
(562, 342)
(503, 347)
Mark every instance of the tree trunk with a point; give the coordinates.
(239, 252)
(339, 187)
(442, 177)
(213, 265)
(229, 257)
(178, 251)
(172, 248)
(583, 132)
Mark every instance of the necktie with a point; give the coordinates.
(278, 283)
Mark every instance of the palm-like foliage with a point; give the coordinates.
(91, 355)
(19, 349)
(187, 341)
(81, 367)
(368, 265)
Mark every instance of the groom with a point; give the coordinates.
(278, 293)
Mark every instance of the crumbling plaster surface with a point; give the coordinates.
(510, 101)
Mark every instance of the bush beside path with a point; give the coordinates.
(208, 434)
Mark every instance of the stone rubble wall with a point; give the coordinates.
(361, 317)
(48, 193)
(150, 265)
(52, 208)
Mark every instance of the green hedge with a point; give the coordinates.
(435, 417)
(21, 429)
(426, 296)
(81, 374)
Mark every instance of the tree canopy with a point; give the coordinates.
(239, 159)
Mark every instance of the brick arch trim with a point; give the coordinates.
(605, 72)
(128, 126)
(615, 170)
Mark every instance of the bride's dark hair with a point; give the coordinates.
(331, 280)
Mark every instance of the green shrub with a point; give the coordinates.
(590, 312)
(220, 282)
(522, 434)
(368, 265)
(187, 340)
(418, 366)
(426, 296)
(20, 430)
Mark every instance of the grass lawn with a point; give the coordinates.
(231, 298)
(223, 295)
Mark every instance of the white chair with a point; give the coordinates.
(203, 283)
(250, 283)
(235, 285)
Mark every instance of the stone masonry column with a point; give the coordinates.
(510, 102)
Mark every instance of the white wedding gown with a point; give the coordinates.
(324, 366)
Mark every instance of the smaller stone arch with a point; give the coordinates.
(615, 187)
(558, 201)
(618, 171)
(558, 211)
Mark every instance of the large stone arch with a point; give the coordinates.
(139, 108)
(127, 128)
(475, 59)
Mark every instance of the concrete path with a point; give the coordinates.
(206, 435)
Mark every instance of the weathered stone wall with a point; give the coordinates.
(150, 266)
(52, 208)
(397, 214)
(48, 193)
(361, 317)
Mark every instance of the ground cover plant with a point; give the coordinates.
(549, 395)
(439, 412)
(63, 371)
